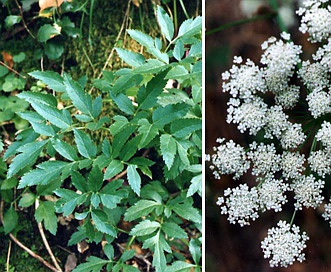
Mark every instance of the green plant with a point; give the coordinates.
(155, 144)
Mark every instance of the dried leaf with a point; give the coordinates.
(7, 58)
(71, 262)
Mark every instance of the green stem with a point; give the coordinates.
(130, 242)
(184, 9)
(292, 219)
(280, 22)
(91, 23)
(175, 14)
(240, 22)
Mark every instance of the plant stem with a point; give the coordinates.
(240, 22)
(292, 219)
(280, 22)
(184, 9)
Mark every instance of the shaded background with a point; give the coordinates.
(231, 248)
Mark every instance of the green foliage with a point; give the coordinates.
(153, 143)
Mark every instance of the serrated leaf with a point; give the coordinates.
(182, 152)
(113, 169)
(97, 106)
(158, 54)
(180, 266)
(65, 150)
(173, 230)
(10, 220)
(165, 115)
(44, 174)
(125, 82)
(148, 132)
(165, 22)
(106, 148)
(93, 264)
(80, 99)
(195, 250)
(190, 27)
(142, 38)
(134, 178)
(145, 227)
(178, 72)
(84, 144)
(28, 156)
(123, 102)
(131, 58)
(47, 32)
(150, 67)
(95, 179)
(147, 97)
(46, 212)
(196, 186)
(77, 236)
(179, 50)
(184, 127)
(38, 123)
(186, 211)
(102, 224)
(27, 200)
(69, 200)
(141, 208)
(168, 149)
(52, 79)
(39, 98)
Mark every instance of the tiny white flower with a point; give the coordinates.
(292, 137)
(320, 162)
(327, 212)
(240, 204)
(229, 158)
(324, 135)
(307, 192)
(292, 165)
(284, 245)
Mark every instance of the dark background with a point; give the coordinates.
(231, 248)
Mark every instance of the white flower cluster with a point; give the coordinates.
(316, 19)
(229, 158)
(262, 97)
(284, 245)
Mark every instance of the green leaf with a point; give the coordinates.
(46, 212)
(178, 72)
(186, 210)
(84, 144)
(168, 149)
(110, 196)
(147, 98)
(190, 27)
(169, 113)
(27, 200)
(54, 49)
(180, 266)
(65, 150)
(182, 148)
(173, 230)
(45, 105)
(45, 173)
(102, 224)
(142, 38)
(131, 58)
(10, 220)
(93, 264)
(148, 132)
(38, 123)
(145, 227)
(12, 20)
(123, 102)
(179, 50)
(81, 100)
(69, 200)
(196, 186)
(141, 208)
(184, 127)
(29, 154)
(195, 250)
(47, 32)
(95, 179)
(52, 79)
(97, 106)
(165, 22)
(19, 57)
(134, 178)
(9, 183)
(113, 169)
(125, 82)
(150, 67)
